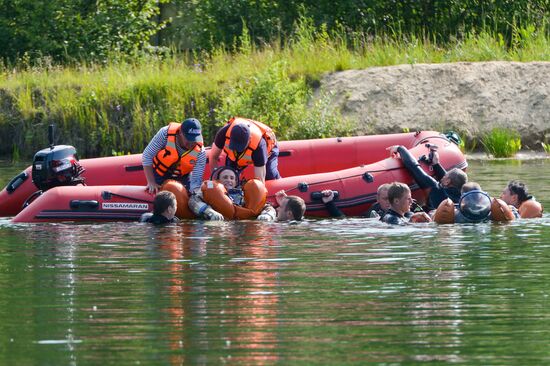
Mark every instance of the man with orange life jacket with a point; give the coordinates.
(175, 152)
(247, 142)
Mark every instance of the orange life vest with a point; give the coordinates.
(258, 131)
(167, 160)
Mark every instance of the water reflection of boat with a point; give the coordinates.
(114, 186)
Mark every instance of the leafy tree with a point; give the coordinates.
(214, 22)
(76, 29)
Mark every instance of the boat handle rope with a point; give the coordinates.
(107, 195)
(443, 137)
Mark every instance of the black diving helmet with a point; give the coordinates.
(475, 205)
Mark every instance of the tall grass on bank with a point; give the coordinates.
(501, 143)
(119, 106)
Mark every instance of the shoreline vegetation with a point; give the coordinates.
(115, 107)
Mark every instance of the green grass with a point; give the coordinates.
(119, 106)
(501, 143)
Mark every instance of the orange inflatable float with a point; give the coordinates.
(445, 212)
(530, 209)
(255, 193)
(182, 197)
(500, 211)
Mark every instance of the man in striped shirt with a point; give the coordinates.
(175, 152)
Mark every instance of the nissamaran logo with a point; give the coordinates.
(124, 206)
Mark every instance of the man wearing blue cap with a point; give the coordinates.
(247, 142)
(175, 152)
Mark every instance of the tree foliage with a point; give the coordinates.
(217, 22)
(82, 30)
(68, 30)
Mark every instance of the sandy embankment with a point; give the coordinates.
(471, 98)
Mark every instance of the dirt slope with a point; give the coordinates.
(471, 98)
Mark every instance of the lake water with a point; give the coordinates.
(349, 291)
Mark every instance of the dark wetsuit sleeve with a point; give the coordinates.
(439, 171)
(419, 175)
(219, 140)
(333, 210)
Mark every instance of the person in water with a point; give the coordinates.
(247, 142)
(517, 195)
(399, 213)
(449, 184)
(376, 211)
(164, 209)
(175, 152)
(290, 208)
(229, 178)
(473, 206)
(382, 205)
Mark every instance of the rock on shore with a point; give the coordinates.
(471, 98)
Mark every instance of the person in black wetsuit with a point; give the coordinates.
(400, 198)
(450, 182)
(378, 210)
(474, 205)
(164, 209)
(327, 196)
(290, 208)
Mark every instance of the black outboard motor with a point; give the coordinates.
(56, 166)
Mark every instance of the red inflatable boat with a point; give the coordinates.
(114, 187)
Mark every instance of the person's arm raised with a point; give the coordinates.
(214, 156)
(419, 175)
(259, 173)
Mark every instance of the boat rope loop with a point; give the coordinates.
(106, 195)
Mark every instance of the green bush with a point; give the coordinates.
(281, 102)
(501, 142)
